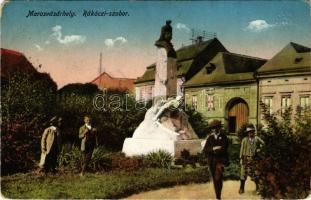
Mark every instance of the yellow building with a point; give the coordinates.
(285, 79)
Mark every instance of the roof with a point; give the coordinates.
(107, 81)
(191, 51)
(148, 75)
(12, 61)
(292, 58)
(190, 59)
(226, 68)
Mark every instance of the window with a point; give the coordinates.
(268, 103)
(194, 102)
(210, 102)
(304, 101)
(138, 93)
(285, 103)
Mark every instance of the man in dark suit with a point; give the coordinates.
(216, 148)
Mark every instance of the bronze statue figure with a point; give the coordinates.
(165, 39)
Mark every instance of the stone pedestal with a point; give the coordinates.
(166, 75)
(137, 146)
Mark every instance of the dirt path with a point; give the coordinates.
(201, 191)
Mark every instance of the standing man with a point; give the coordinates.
(216, 148)
(250, 146)
(50, 146)
(88, 137)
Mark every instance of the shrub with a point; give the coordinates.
(233, 170)
(187, 159)
(160, 159)
(70, 159)
(27, 103)
(120, 162)
(198, 123)
(284, 168)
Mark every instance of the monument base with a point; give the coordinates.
(137, 146)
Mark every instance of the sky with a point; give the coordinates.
(68, 48)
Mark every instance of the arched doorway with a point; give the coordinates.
(237, 113)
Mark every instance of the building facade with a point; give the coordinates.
(226, 89)
(230, 87)
(285, 80)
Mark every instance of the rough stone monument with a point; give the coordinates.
(166, 126)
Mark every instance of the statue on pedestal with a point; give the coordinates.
(165, 125)
(166, 67)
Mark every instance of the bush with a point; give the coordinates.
(198, 123)
(70, 159)
(27, 103)
(284, 165)
(187, 159)
(159, 159)
(120, 162)
(232, 171)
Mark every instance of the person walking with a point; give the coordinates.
(50, 146)
(216, 149)
(88, 137)
(250, 146)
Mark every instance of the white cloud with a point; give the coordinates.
(258, 25)
(111, 42)
(181, 27)
(67, 39)
(39, 48)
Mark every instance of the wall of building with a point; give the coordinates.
(278, 87)
(144, 91)
(222, 95)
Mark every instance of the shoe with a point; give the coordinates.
(241, 191)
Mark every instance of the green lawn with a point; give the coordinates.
(97, 185)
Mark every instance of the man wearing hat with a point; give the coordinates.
(250, 145)
(216, 148)
(50, 146)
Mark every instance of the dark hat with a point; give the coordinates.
(215, 124)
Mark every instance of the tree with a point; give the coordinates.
(113, 113)
(284, 165)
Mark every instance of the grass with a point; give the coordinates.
(117, 184)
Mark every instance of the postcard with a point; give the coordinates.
(155, 99)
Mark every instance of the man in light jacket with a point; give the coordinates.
(250, 146)
(88, 137)
(50, 146)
